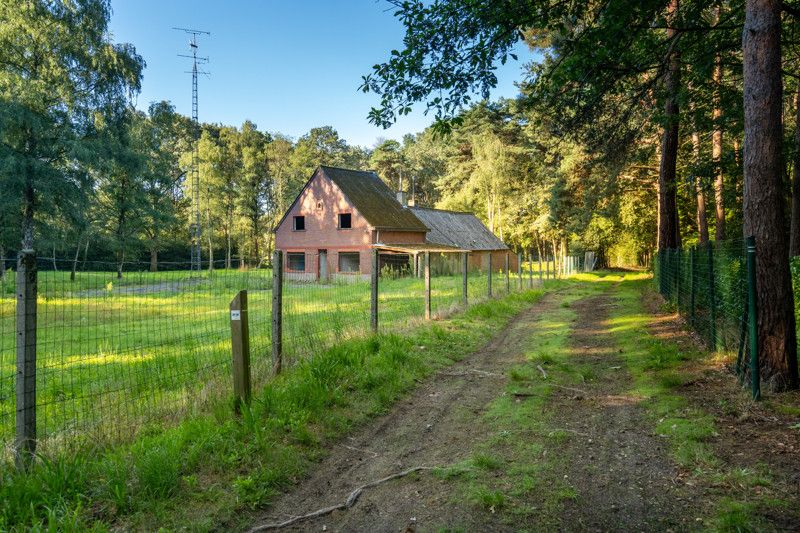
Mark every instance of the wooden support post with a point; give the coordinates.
(530, 270)
(508, 275)
(240, 341)
(464, 278)
(489, 280)
(427, 285)
(277, 311)
(373, 291)
(541, 271)
(26, 358)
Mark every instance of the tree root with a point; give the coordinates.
(349, 502)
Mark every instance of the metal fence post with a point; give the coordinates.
(755, 373)
(508, 275)
(427, 285)
(489, 279)
(692, 282)
(464, 277)
(519, 269)
(712, 297)
(678, 261)
(240, 341)
(277, 311)
(373, 293)
(26, 358)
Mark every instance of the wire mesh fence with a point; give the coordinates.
(710, 286)
(117, 352)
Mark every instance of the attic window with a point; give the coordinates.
(345, 220)
(299, 223)
(319, 206)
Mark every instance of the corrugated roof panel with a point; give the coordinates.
(460, 230)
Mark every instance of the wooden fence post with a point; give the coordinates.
(373, 292)
(240, 341)
(26, 358)
(519, 269)
(508, 275)
(530, 270)
(277, 311)
(464, 277)
(427, 285)
(489, 281)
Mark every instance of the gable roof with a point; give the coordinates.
(370, 196)
(459, 230)
(373, 199)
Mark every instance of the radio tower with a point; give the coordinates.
(195, 228)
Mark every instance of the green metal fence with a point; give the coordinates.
(712, 286)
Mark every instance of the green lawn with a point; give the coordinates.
(115, 354)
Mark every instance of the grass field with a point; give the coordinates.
(114, 355)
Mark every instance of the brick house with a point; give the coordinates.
(341, 215)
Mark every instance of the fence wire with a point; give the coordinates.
(115, 354)
(708, 285)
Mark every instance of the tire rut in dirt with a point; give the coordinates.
(438, 424)
(621, 471)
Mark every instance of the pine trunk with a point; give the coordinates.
(668, 230)
(794, 234)
(702, 220)
(763, 194)
(716, 147)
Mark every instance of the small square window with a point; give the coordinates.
(296, 261)
(299, 223)
(349, 262)
(345, 221)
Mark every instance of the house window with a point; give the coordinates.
(345, 220)
(299, 223)
(349, 262)
(296, 261)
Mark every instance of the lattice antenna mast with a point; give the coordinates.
(195, 228)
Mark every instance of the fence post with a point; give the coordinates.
(547, 266)
(489, 280)
(26, 358)
(427, 285)
(755, 374)
(712, 297)
(519, 269)
(541, 270)
(464, 277)
(530, 270)
(373, 291)
(277, 311)
(678, 264)
(508, 275)
(240, 341)
(692, 282)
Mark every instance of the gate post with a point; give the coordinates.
(26, 358)
(277, 311)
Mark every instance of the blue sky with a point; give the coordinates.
(286, 65)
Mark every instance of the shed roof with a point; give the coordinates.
(373, 199)
(459, 230)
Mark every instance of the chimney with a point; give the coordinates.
(402, 199)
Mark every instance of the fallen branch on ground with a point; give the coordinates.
(544, 374)
(351, 501)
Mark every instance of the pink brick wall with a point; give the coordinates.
(320, 203)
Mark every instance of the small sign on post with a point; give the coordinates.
(240, 341)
